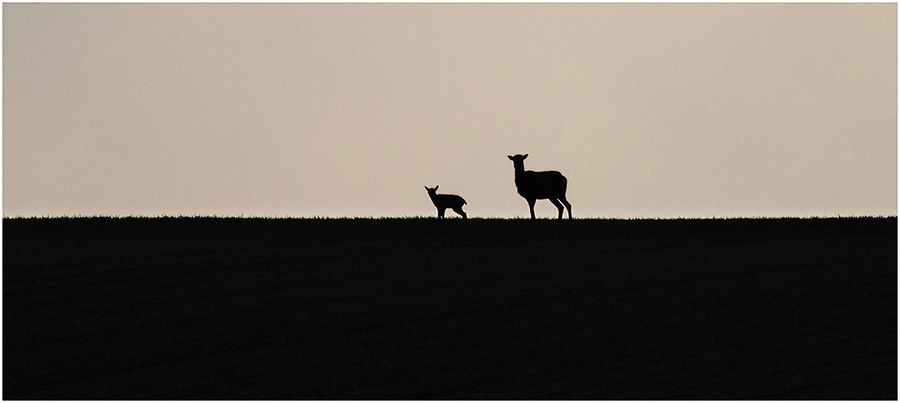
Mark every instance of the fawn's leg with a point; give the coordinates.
(441, 212)
(531, 207)
(558, 205)
(460, 211)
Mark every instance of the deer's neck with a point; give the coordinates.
(520, 174)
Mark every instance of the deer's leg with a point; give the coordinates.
(460, 211)
(566, 203)
(441, 212)
(531, 207)
(558, 205)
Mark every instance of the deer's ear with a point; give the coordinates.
(435, 187)
(510, 157)
(426, 188)
(525, 156)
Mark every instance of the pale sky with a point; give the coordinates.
(650, 110)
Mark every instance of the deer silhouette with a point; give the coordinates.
(533, 185)
(445, 201)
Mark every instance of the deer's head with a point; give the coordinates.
(517, 161)
(431, 191)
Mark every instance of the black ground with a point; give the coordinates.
(453, 309)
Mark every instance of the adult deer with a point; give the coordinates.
(533, 186)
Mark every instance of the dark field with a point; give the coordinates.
(453, 309)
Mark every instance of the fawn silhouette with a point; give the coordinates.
(533, 185)
(443, 202)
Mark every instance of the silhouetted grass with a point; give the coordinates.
(396, 308)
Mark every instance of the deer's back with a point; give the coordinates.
(541, 184)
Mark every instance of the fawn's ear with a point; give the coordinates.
(435, 187)
(525, 156)
(426, 188)
(510, 157)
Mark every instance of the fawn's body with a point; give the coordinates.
(446, 201)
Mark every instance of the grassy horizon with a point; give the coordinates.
(254, 217)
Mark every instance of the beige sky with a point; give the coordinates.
(650, 110)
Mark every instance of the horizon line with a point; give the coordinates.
(314, 217)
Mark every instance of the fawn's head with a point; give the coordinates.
(431, 191)
(517, 160)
